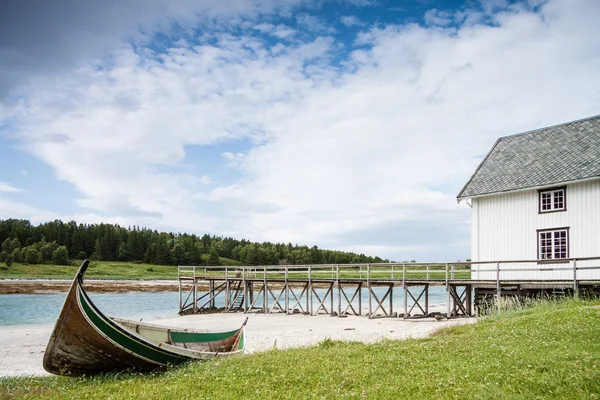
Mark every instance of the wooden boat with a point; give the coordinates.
(86, 342)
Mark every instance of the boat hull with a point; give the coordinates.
(86, 342)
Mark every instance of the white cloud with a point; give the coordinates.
(350, 20)
(206, 179)
(368, 157)
(436, 17)
(314, 23)
(8, 188)
(281, 31)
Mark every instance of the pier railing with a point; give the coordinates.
(277, 287)
(569, 269)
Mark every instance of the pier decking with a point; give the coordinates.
(342, 289)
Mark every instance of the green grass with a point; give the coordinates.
(549, 351)
(97, 270)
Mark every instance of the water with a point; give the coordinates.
(22, 309)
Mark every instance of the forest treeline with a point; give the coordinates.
(58, 241)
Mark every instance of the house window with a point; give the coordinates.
(553, 244)
(553, 199)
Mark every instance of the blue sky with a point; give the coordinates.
(346, 124)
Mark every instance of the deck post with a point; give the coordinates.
(211, 286)
(265, 292)
(195, 289)
(448, 297)
(427, 299)
(391, 298)
(245, 299)
(452, 271)
(309, 306)
(227, 294)
(369, 289)
(405, 301)
(575, 285)
(498, 287)
(339, 287)
(180, 296)
(287, 292)
(427, 271)
(360, 298)
(392, 271)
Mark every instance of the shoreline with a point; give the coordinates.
(22, 346)
(46, 286)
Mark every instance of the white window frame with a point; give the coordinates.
(550, 245)
(554, 195)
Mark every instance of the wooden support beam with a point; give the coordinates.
(417, 301)
(276, 300)
(350, 301)
(380, 302)
(297, 299)
(321, 306)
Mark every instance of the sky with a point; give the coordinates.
(346, 124)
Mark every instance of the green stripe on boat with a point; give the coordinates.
(138, 348)
(187, 337)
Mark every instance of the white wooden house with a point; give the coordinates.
(536, 196)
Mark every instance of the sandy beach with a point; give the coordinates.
(22, 346)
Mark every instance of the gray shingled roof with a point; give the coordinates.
(548, 156)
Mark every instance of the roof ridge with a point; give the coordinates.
(550, 127)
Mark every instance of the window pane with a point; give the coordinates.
(559, 200)
(546, 202)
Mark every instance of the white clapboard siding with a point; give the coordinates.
(504, 227)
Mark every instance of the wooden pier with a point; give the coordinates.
(368, 289)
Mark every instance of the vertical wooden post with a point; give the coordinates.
(245, 299)
(195, 289)
(227, 294)
(427, 269)
(448, 301)
(391, 298)
(339, 287)
(448, 297)
(427, 299)
(369, 289)
(452, 271)
(498, 288)
(309, 305)
(405, 301)
(360, 298)
(392, 271)
(180, 296)
(211, 285)
(469, 294)
(360, 271)
(287, 292)
(575, 284)
(265, 298)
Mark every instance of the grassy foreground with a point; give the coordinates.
(550, 351)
